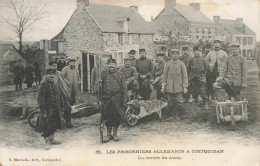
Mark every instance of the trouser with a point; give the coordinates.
(232, 91)
(29, 84)
(67, 115)
(111, 115)
(38, 79)
(18, 86)
(134, 85)
(145, 90)
(174, 103)
(198, 88)
(210, 80)
(158, 88)
(186, 96)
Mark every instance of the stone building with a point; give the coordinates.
(100, 27)
(236, 31)
(187, 23)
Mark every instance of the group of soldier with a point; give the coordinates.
(174, 77)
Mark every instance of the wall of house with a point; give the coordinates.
(202, 31)
(81, 33)
(247, 49)
(120, 51)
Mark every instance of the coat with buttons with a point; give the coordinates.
(175, 77)
(144, 66)
(234, 71)
(129, 73)
(115, 90)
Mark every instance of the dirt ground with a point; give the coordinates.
(198, 127)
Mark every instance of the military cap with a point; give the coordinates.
(72, 59)
(141, 50)
(111, 61)
(207, 45)
(159, 54)
(127, 59)
(175, 51)
(217, 41)
(50, 70)
(132, 52)
(185, 48)
(235, 45)
(163, 49)
(196, 48)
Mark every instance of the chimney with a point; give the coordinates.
(240, 20)
(216, 19)
(195, 5)
(126, 25)
(134, 7)
(81, 4)
(169, 4)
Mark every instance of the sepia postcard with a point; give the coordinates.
(129, 82)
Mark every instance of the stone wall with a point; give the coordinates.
(81, 33)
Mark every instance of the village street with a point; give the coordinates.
(149, 133)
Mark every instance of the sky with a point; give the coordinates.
(58, 12)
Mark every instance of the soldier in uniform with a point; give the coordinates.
(50, 101)
(18, 75)
(196, 69)
(28, 72)
(144, 68)
(233, 74)
(175, 82)
(131, 77)
(114, 99)
(71, 74)
(157, 74)
(216, 59)
(185, 58)
(132, 58)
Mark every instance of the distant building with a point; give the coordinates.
(100, 27)
(187, 23)
(236, 31)
(8, 57)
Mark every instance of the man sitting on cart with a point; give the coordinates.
(233, 74)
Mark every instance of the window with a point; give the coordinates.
(250, 40)
(60, 47)
(130, 37)
(244, 40)
(238, 40)
(120, 39)
(244, 53)
(120, 57)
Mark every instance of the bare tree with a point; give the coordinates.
(23, 14)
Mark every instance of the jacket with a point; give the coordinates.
(216, 56)
(175, 77)
(129, 73)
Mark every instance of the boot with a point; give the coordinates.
(53, 141)
(47, 143)
(109, 136)
(115, 134)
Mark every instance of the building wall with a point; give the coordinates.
(81, 33)
(119, 50)
(202, 31)
(247, 49)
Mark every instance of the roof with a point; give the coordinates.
(235, 27)
(191, 14)
(8, 53)
(109, 19)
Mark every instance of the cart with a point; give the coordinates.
(138, 109)
(231, 111)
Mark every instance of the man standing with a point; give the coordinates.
(185, 58)
(132, 58)
(157, 74)
(18, 75)
(175, 82)
(197, 68)
(258, 63)
(114, 99)
(37, 71)
(71, 75)
(144, 68)
(216, 59)
(131, 77)
(28, 71)
(233, 74)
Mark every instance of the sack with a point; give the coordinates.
(41, 123)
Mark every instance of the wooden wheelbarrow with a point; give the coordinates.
(231, 111)
(138, 109)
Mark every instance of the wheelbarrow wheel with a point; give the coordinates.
(132, 114)
(32, 118)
